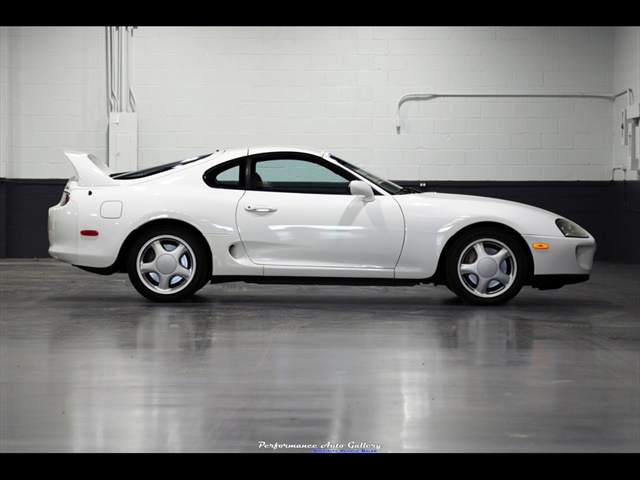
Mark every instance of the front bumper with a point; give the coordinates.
(563, 255)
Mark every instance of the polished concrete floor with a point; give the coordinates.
(87, 365)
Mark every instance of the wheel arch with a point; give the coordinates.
(440, 277)
(163, 222)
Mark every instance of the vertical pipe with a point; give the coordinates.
(115, 102)
(107, 37)
(120, 70)
(131, 97)
(119, 41)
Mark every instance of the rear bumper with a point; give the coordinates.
(62, 230)
(67, 244)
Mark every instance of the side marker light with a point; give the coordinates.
(89, 233)
(540, 246)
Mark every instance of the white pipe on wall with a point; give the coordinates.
(132, 98)
(119, 42)
(431, 96)
(123, 119)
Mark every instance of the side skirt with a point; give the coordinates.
(385, 282)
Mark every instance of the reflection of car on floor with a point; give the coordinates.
(299, 215)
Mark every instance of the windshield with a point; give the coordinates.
(386, 185)
(158, 169)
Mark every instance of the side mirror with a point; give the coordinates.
(362, 189)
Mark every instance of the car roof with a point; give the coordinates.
(283, 148)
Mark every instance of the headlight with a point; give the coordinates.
(570, 229)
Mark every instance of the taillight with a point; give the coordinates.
(66, 196)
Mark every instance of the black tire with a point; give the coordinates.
(486, 266)
(167, 264)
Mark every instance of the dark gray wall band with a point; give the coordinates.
(609, 210)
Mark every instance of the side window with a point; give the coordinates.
(298, 175)
(227, 175)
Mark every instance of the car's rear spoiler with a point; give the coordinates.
(90, 171)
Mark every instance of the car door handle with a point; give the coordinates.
(259, 208)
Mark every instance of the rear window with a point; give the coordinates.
(154, 170)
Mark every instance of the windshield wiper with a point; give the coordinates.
(406, 191)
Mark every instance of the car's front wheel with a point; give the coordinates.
(167, 265)
(486, 267)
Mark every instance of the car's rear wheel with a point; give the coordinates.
(167, 264)
(486, 267)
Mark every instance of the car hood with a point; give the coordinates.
(458, 211)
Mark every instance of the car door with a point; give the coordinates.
(298, 217)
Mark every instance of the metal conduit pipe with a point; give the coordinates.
(132, 98)
(107, 47)
(123, 119)
(112, 72)
(431, 96)
(119, 67)
(112, 97)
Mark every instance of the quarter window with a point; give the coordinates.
(227, 175)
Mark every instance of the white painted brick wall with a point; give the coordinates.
(4, 101)
(203, 88)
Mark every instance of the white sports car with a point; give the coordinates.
(299, 215)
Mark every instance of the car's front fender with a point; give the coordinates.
(434, 219)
